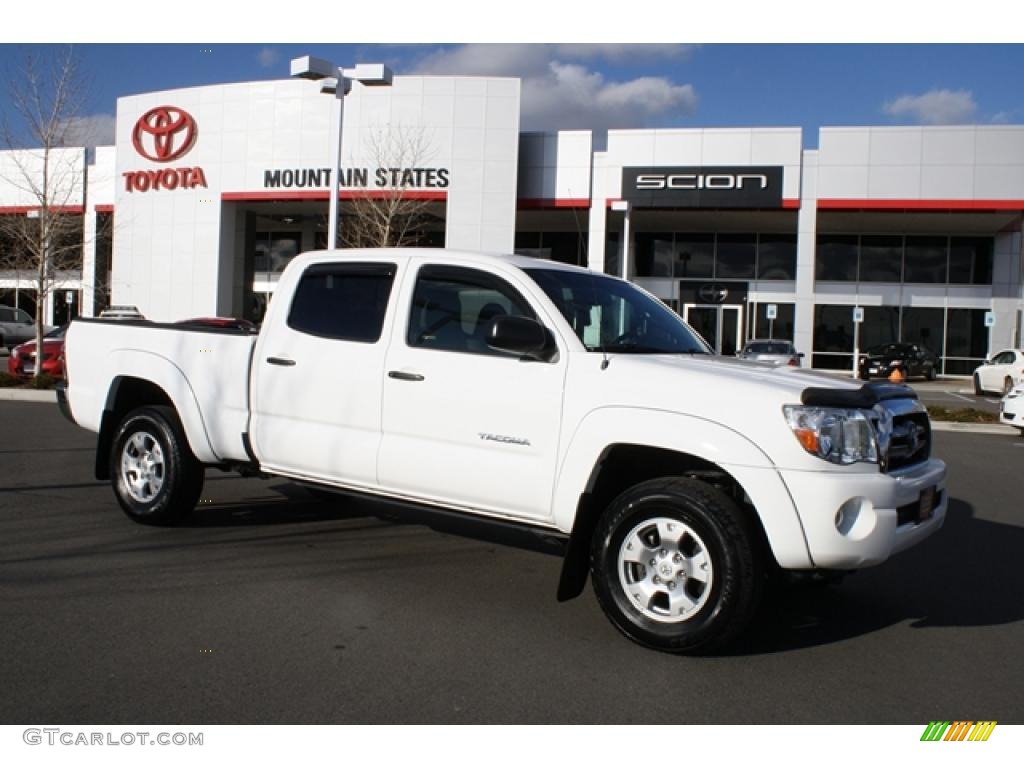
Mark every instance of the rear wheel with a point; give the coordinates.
(1007, 385)
(932, 373)
(156, 479)
(676, 566)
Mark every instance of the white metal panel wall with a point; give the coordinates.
(922, 163)
(167, 243)
(21, 177)
(555, 165)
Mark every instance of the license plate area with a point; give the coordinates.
(926, 504)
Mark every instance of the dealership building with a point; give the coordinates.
(208, 192)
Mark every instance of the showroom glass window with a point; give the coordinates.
(694, 256)
(924, 326)
(563, 247)
(735, 257)
(966, 340)
(781, 328)
(881, 257)
(836, 258)
(924, 259)
(654, 254)
(833, 336)
(274, 250)
(970, 260)
(776, 257)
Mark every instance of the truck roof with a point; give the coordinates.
(448, 255)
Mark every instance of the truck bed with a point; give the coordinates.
(204, 371)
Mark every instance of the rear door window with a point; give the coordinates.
(342, 301)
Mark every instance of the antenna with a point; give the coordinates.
(579, 231)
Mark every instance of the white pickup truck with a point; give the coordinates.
(528, 393)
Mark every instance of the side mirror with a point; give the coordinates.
(520, 336)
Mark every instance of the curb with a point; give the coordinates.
(29, 395)
(978, 429)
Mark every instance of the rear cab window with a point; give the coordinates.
(344, 301)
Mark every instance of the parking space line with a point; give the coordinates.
(954, 394)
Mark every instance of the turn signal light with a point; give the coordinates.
(808, 439)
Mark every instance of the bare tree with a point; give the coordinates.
(46, 242)
(390, 215)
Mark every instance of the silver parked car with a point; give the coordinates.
(16, 327)
(776, 351)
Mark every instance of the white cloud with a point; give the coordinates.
(936, 107)
(571, 96)
(268, 57)
(90, 131)
(558, 92)
(623, 51)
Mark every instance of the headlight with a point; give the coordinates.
(839, 435)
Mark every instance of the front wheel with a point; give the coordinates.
(156, 479)
(977, 385)
(932, 373)
(1007, 385)
(676, 566)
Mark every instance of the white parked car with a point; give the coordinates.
(1000, 372)
(775, 351)
(529, 394)
(1011, 409)
(16, 327)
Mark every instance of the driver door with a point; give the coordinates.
(463, 424)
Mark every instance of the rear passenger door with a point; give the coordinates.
(317, 374)
(463, 424)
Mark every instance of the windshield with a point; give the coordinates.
(610, 315)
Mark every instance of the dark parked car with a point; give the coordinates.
(911, 359)
(22, 361)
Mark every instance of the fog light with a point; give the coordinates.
(856, 518)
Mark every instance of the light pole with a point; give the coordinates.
(626, 209)
(337, 80)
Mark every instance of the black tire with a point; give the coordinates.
(722, 606)
(1007, 385)
(977, 386)
(932, 373)
(176, 476)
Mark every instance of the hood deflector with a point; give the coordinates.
(868, 396)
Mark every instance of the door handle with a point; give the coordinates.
(280, 361)
(403, 376)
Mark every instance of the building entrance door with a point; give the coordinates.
(719, 324)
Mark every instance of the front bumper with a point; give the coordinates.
(855, 520)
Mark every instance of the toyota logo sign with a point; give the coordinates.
(164, 134)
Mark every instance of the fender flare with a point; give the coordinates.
(745, 462)
(171, 380)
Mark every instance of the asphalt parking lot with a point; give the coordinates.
(272, 607)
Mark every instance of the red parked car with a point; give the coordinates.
(22, 361)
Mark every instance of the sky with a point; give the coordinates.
(603, 86)
(582, 83)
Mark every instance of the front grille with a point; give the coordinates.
(911, 440)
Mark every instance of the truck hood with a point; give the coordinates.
(743, 396)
